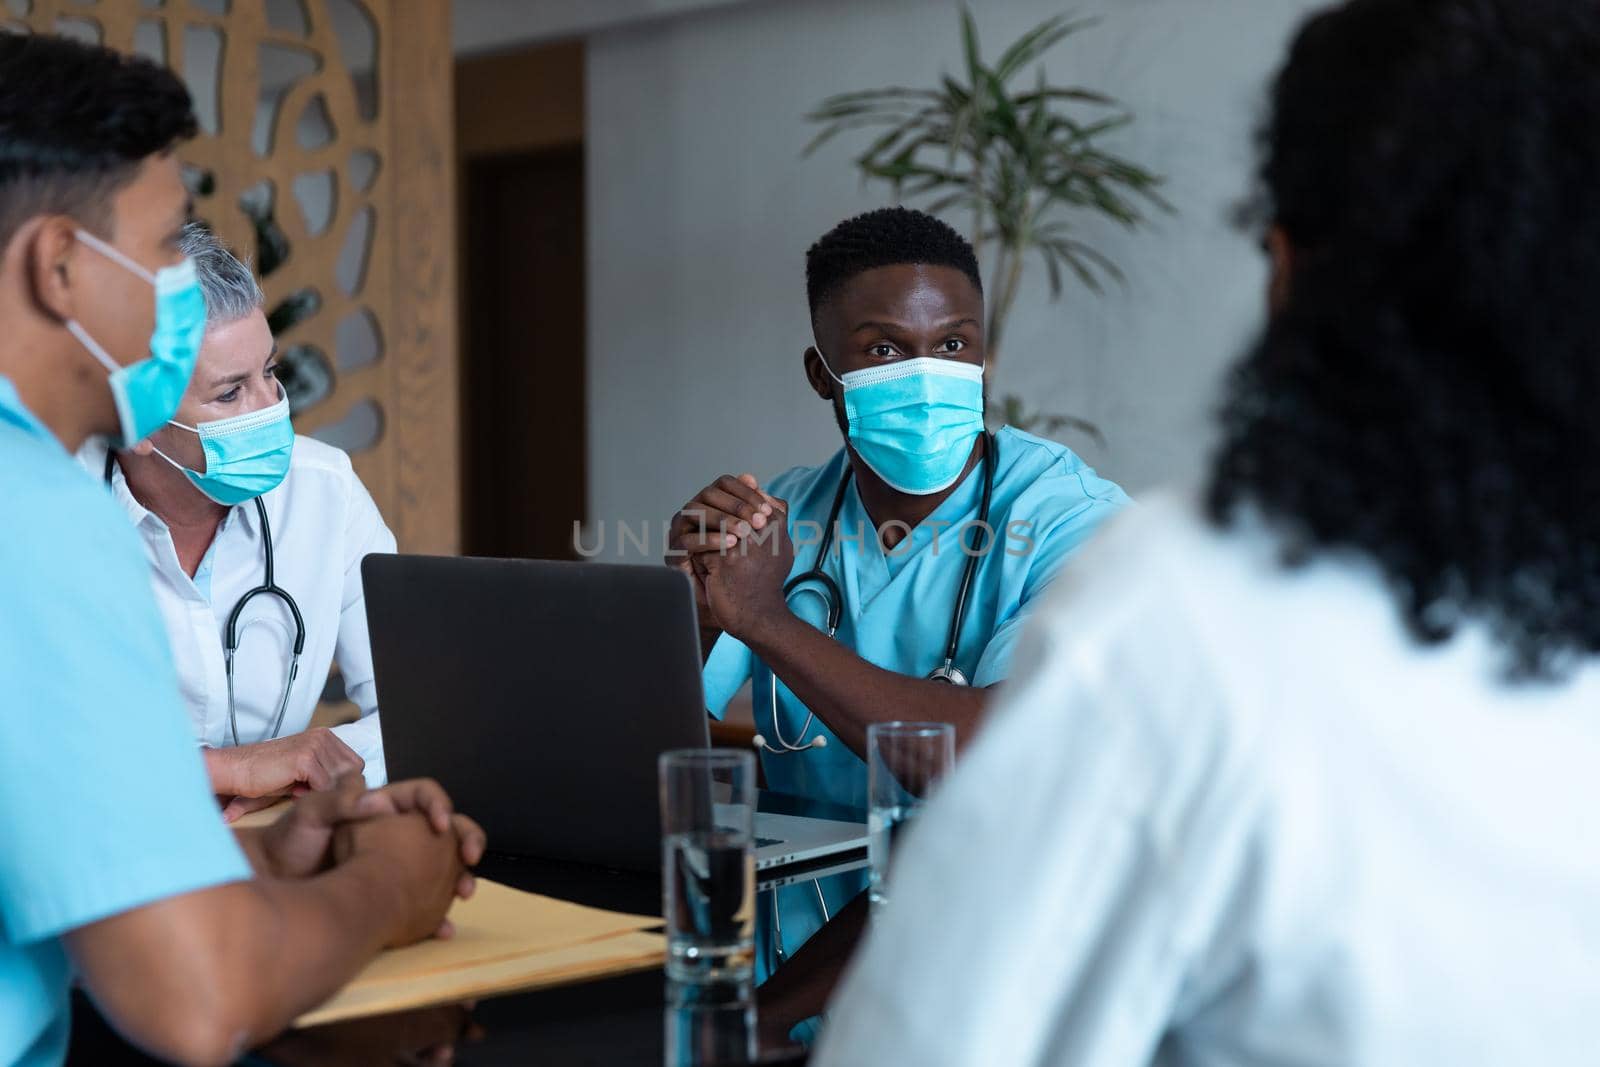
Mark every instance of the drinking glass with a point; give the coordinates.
(708, 865)
(905, 760)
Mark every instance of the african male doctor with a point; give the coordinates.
(920, 501)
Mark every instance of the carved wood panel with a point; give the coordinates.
(326, 156)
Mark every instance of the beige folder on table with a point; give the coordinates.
(505, 940)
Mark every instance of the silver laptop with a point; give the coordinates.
(785, 839)
(540, 694)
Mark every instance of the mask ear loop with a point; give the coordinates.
(174, 463)
(283, 399)
(109, 365)
(179, 467)
(93, 347)
(824, 361)
(116, 255)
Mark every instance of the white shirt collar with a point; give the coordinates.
(138, 513)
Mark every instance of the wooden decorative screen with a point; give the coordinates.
(326, 156)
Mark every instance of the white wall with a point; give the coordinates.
(481, 26)
(701, 210)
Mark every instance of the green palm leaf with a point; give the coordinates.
(1036, 42)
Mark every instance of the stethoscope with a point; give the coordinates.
(230, 642)
(817, 582)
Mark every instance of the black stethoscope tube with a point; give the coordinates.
(947, 670)
(230, 643)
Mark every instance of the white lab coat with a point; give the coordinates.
(1232, 814)
(323, 523)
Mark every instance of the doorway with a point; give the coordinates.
(523, 302)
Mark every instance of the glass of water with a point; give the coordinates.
(905, 760)
(708, 864)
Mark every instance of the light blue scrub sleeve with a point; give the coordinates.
(726, 670)
(1050, 553)
(104, 802)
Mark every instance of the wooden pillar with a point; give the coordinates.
(357, 250)
(425, 398)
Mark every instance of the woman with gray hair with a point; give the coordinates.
(228, 499)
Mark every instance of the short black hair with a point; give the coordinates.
(75, 121)
(887, 237)
(1426, 397)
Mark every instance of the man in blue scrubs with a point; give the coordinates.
(195, 942)
(898, 319)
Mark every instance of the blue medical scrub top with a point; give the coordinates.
(898, 606)
(104, 802)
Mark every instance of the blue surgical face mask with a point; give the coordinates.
(147, 393)
(246, 455)
(914, 422)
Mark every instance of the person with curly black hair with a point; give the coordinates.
(1321, 787)
(919, 504)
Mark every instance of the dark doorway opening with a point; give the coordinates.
(522, 355)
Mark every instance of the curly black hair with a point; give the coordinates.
(887, 237)
(75, 122)
(1427, 394)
